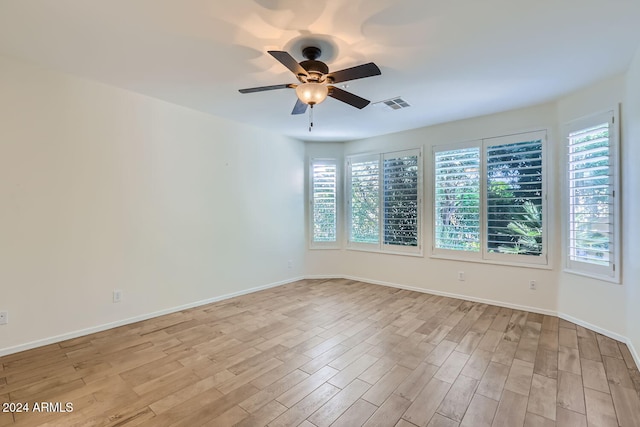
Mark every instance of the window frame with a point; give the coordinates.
(501, 257)
(380, 246)
(483, 255)
(313, 244)
(362, 246)
(612, 272)
(453, 253)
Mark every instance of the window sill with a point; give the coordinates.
(492, 262)
(603, 278)
(378, 251)
(324, 248)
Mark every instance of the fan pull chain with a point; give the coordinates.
(311, 117)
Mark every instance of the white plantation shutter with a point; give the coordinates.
(592, 205)
(490, 199)
(401, 198)
(364, 181)
(457, 199)
(515, 195)
(384, 201)
(324, 200)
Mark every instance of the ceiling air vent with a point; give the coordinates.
(396, 103)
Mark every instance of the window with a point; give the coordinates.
(384, 201)
(364, 177)
(400, 199)
(457, 199)
(499, 217)
(323, 202)
(592, 205)
(514, 196)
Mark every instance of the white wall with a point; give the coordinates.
(437, 275)
(598, 303)
(631, 200)
(105, 189)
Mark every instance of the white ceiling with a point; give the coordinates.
(449, 59)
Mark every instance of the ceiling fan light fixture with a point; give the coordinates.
(312, 93)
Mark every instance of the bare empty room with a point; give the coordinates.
(319, 213)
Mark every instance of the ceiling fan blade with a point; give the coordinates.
(263, 88)
(288, 61)
(353, 73)
(348, 97)
(299, 108)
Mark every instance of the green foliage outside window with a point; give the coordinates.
(365, 201)
(401, 201)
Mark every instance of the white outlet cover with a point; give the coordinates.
(4, 317)
(117, 296)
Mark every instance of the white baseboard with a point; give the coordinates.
(457, 296)
(594, 328)
(324, 277)
(634, 353)
(103, 327)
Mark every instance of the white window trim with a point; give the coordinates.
(605, 273)
(540, 262)
(380, 246)
(323, 245)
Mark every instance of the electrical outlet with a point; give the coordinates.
(532, 285)
(290, 264)
(4, 317)
(117, 295)
(461, 276)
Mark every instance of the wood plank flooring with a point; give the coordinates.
(330, 353)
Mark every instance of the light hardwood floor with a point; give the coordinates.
(335, 352)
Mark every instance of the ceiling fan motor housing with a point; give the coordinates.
(316, 69)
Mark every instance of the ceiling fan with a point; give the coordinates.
(316, 82)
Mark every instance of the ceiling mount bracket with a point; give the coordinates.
(311, 53)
